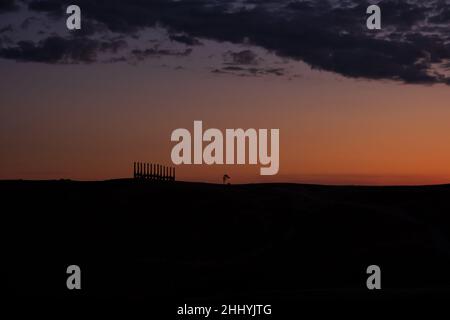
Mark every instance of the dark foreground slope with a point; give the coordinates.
(201, 242)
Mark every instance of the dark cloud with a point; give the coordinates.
(49, 6)
(403, 14)
(156, 52)
(328, 35)
(246, 63)
(59, 50)
(27, 22)
(244, 57)
(250, 71)
(443, 16)
(5, 29)
(185, 39)
(7, 5)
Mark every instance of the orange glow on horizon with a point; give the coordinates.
(333, 130)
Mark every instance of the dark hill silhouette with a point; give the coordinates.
(201, 241)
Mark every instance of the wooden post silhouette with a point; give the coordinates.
(153, 171)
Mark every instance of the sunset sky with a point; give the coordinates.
(353, 106)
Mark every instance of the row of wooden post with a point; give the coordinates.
(153, 172)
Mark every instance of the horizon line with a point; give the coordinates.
(231, 184)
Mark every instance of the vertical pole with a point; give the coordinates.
(151, 171)
(145, 171)
(134, 170)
